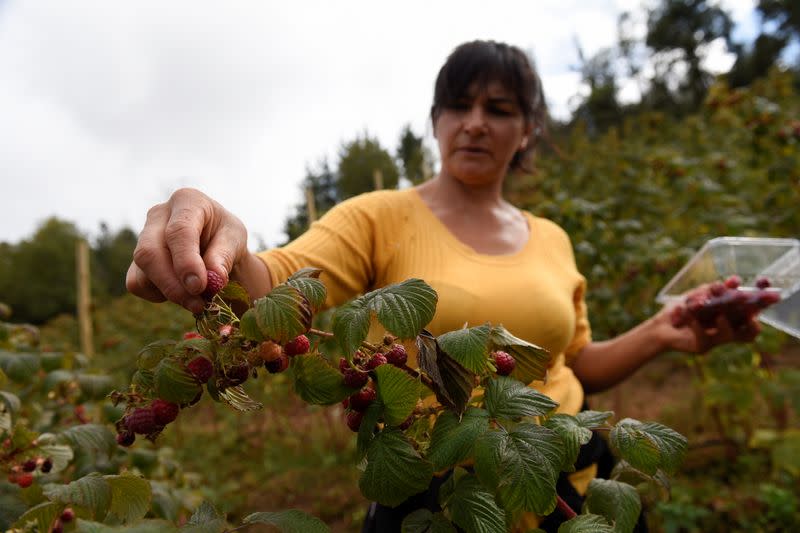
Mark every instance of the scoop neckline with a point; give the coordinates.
(468, 250)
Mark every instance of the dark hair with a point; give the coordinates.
(482, 62)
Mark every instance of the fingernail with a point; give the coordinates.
(192, 283)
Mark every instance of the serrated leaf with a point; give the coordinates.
(44, 514)
(593, 419)
(91, 491)
(473, 507)
(531, 360)
(234, 292)
(424, 521)
(248, 326)
(452, 383)
(283, 314)
(237, 398)
(648, 447)
(143, 381)
(174, 383)
(130, 497)
(398, 392)
(572, 434)
(350, 325)
(452, 441)
(90, 437)
(404, 308)
(153, 353)
(366, 431)
(188, 349)
(506, 397)
(521, 466)
(306, 272)
(19, 367)
(395, 470)
(313, 289)
(95, 386)
(317, 382)
(205, 519)
(60, 454)
(143, 526)
(10, 401)
(672, 445)
(468, 346)
(289, 521)
(618, 502)
(586, 523)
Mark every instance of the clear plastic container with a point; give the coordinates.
(749, 258)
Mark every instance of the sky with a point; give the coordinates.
(107, 107)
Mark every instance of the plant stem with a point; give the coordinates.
(565, 509)
(319, 333)
(416, 375)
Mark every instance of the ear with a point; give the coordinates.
(526, 136)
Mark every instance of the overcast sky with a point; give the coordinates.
(106, 107)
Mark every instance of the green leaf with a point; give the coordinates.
(317, 382)
(404, 308)
(205, 519)
(248, 326)
(10, 401)
(60, 454)
(174, 383)
(143, 381)
(313, 289)
(130, 497)
(648, 446)
(234, 292)
(506, 397)
(452, 383)
(289, 521)
(44, 514)
(531, 360)
(618, 502)
(90, 437)
(366, 431)
(19, 367)
(350, 325)
(395, 470)
(56, 378)
(572, 434)
(283, 314)
(424, 521)
(153, 353)
(521, 466)
(95, 387)
(452, 441)
(593, 419)
(468, 346)
(398, 391)
(586, 523)
(143, 526)
(473, 507)
(237, 398)
(91, 491)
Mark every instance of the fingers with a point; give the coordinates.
(189, 217)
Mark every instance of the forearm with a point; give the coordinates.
(252, 273)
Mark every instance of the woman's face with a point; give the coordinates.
(479, 135)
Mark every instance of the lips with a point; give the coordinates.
(474, 149)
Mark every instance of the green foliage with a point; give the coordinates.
(358, 160)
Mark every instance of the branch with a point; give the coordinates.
(565, 509)
(319, 333)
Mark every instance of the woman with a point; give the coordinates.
(487, 260)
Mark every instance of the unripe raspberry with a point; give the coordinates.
(29, 465)
(67, 515)
(165, 412)
(238, 373)
(504, 363)
(201, 368)
(377, 360)
(298, 345)
(354, 420)
(142, 420)
(191, 335)
(225, 330)
(269, 351)
(278, 365)
(397, 355)
(126, 438)
(213, 285)
(355, 378)
(25, 480)
(362, 399)
(47, 465)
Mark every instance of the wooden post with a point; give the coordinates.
(311, 206)
(84, 299)
(377, 178)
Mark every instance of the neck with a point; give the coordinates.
(447, 190)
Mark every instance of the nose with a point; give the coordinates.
(475, 120)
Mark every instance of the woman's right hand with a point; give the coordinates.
(182, 239)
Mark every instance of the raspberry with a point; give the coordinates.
(717, 288)
(126, 438)
(355, 378)
(298, 345)
(165, 412)
(47, 465)
(278, 365)
(354, 420)
(269, 351)
(25, 480)
(397, 355)
(237, 374)
(225, 331)
(191, 335)
(67, 515)
(142, 420)
(362, 399)
(343, 364)
(58, 527)
(763, 283)
(377, 360)
(346, 403)
(213, 285)
(201, 368)
(733, 282)
(504, 362)
(29, 465)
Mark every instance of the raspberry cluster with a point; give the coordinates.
(725, 299)
(22, 474)
(147, 420)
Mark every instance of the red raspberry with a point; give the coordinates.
(47, 465)
(201, 368)
(733, 282)
(397, 355)
(237, 374)
(504, 362)
(126, 438)
(29, 465)
(763, 283)
(717, 288)
(362, 399)
(354, 420)
(25, 480)
(213, 285)
(191, 335)
(278, 365)
(343, 364)
(298, 345)
(269, 351)
(142, 420)
(377, 360)
(165, 412)
(346, 403)
(355, 378)
(67, 515)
